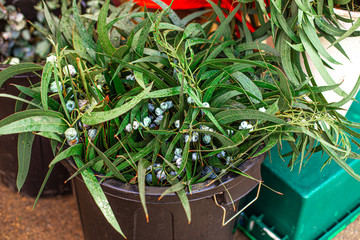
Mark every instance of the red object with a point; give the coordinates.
(179, 4)
(193, 4)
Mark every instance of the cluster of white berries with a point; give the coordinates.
(159, 173)
(72, 135)
(151, 121)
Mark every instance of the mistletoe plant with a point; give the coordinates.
(170, 103)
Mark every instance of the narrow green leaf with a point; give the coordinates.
(233, 115)
(172, 15)
(351, 30)
(43, 185)
(51, 135)
(142, 166)
(314, 39)
(102, 30)
(168, 92)
(98, 195)
(76, 150)
(25, 142)
(349, 97)
(109, 163)
(286, 60)
(94, 118)
(28, 113)
(35, 124)
(221, 30)
(89, 43)
(207, 112)
(139, 77)
(12, 71)
(49, 20)
(185, 203)
(45, 81)
(248, 85)
(174, 188)
(318, 63)
(341, 162)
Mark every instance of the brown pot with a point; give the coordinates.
(167, 217)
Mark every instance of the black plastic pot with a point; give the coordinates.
(167, 217)
(41, 151)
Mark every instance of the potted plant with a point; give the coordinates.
(165, 115)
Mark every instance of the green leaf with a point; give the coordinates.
(285, 88)
(224, 24)
(233, 115)
(108, 163)
(45, 81)
(139, 77)
(272, 141)
(314, 39)
(103, 30)
(43, 185)
(351, 30)
(193, 16)
(76, 150)
(349, 97)
(341, 162)
(185, 203)
(89, 43)
(172, 15)
(286, 60)
(94, 118)
(248, 85)
(36, 95)
(207, 112)
(49, 20)
(174, 188)
(256, 45)
(142, 166)
(98, 195)
(35, 124)
(51, 135)
(168, 92)
(28, 113)
(25, 142)
(12, 71)
(318, 63)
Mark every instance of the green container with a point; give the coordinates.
(314, 203)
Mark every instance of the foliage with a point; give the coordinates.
(152, 99)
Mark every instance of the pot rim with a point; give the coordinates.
(199, 190)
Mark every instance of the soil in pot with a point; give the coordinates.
(167, 219)
(41, 152)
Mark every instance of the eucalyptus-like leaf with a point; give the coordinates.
(103, 116)
(142, 166)
(25, 142)
(233, 115)
(109, 164)
(45, 81)
(34, 124)
(98, 195)
(21, 68)
(102, 30)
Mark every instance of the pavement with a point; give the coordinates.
(57, 219)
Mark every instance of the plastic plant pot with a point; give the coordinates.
(41, 152)
(167, 219)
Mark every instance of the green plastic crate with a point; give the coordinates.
(314, 201)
